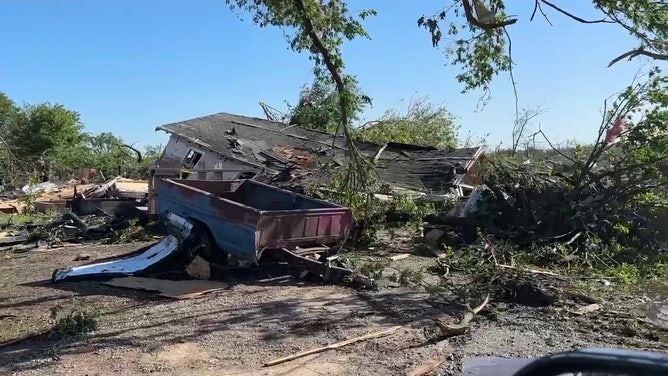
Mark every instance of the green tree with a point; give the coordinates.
(111, 156)
(150, 155)
(481, 40)
(320, 28)
(38, 130)
(318, 107)
(482, 35)
(108, 154)
(7, 110)
(50, 138)
(424, 124)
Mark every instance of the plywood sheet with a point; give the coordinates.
(186, 289)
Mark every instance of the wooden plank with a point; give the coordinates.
(333, 346)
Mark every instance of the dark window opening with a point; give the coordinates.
(191, 159)
(247, 175)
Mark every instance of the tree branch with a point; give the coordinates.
(571, 15)
(327, 57)
(554, 148)
(538, 7)
(468, 10)
(133, 149)
(635, 53)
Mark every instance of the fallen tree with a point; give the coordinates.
(593, 204)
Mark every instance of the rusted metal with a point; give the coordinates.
(247, 216)
(325, 270)
(168, 169)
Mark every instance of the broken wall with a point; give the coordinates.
(177, 148)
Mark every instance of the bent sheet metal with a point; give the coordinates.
(134, 264)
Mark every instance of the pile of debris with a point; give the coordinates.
(550, 217)
(82, 199)
(70, 229)
(75, 213)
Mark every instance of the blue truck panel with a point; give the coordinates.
(245, 217)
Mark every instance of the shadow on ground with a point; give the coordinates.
(250, 313)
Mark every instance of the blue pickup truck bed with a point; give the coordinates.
(246, 218)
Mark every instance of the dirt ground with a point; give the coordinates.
(261, 316)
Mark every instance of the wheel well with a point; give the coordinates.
(214, 253)
(200, 226)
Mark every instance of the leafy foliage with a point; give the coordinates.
(645, 20)
(594, 207)
(48, 139)
(39, 131)
(318, 107)
(423, 124)
(7, 109)
(482, 44)
(72, 322)
(481, 52)
(320, 29)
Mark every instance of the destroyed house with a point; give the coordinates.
(227, 146)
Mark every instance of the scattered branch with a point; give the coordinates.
(571, 15)
(427, 367)
(464, 325)
(333, 346)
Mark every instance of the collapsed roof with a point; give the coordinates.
(274, 147)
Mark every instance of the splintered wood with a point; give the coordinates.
(333, 346)
(400, 256)
(426, 368)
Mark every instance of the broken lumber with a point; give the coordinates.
(333, 346)
(587, 309)
(400, 256)
(426, 368)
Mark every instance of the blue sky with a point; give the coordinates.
(128, 66)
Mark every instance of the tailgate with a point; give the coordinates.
(304, 228)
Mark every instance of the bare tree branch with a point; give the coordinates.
(554, 148)
(571, 15)
(540, 8)
(635, 53)
(328, 59)
(520, 125)
(512, 78)
(139, 158)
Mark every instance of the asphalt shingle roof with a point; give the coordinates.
(273, 146)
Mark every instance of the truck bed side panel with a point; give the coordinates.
(265, 197)
(306, 228)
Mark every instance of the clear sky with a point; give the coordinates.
(128, 66)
